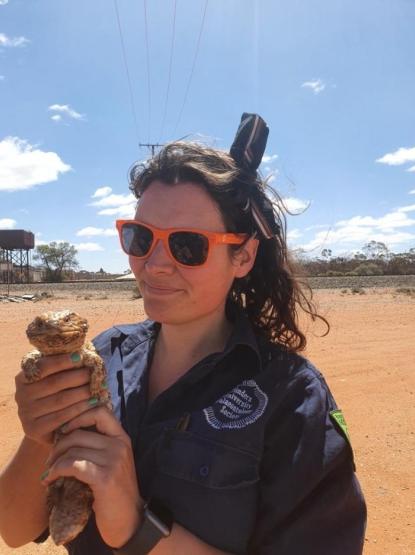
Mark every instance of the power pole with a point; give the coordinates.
(150, 145)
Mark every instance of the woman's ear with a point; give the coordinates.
(245, 257)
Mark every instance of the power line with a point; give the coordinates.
(148, 70)
(127, 71)
(152, 146)
(170, 67)
(193, 67)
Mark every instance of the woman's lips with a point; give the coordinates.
(157, 291)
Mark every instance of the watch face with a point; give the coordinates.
(161, 512)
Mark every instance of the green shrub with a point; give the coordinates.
(405, 290)
(334, 273)
(368, 269)
(358, 290)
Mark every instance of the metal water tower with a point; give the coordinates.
(15, 247)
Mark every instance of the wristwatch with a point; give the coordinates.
(156, 524)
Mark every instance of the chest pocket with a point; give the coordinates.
(210, 487)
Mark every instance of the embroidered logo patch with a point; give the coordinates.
(238, 408)
(340, 424)
(338, 418)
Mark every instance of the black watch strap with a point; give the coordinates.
(156, 524)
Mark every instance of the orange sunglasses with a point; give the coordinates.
(186, 246)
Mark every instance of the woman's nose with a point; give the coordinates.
(159, 256)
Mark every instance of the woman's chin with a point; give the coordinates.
(160, 309)
(155, 307)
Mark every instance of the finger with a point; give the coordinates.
(96, 452)
(55, 420)
(78, 438)
(65, 379)
(58, 383)
(60, 400)
(104, 420)
(84, 470)
(52, 364)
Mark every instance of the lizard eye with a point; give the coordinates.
(67, 318)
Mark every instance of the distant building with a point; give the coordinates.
(85, 275)
(14, 273)
(37, 275)
(5, 269)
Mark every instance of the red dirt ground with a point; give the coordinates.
(368, 359)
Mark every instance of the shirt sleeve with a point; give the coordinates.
(310, 500)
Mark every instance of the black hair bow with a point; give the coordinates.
(247, 150)
(250, 141)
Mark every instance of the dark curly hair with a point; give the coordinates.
(271, 292)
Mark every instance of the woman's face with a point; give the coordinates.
(198, 291)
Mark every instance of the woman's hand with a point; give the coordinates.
(105, 462)
(61, 394)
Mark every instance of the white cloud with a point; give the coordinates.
(294, 234)
(316, 85)
(295, 204)
(268, 158)
(384, 223)
(127, 212)
(66, 110)
(121, 206)
(22, 166)
(3, 2)
(362, 229)
(316, 226)
(88, 247)
(102, 192)
(399, 157)
(12, 42)
(90, 231)
(349, 235)
(411, 169)
(56, 117)
(116, 200)
(409, 208)
(412, 192)
(7, 223)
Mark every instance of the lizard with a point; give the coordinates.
(69, 501)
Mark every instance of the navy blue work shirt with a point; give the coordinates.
(248, 449)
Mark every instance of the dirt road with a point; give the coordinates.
(368, 359)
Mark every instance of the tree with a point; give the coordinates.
(376, 249)
(57, 257)
(360, 256)
(326, 253)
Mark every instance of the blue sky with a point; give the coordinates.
(334, 80)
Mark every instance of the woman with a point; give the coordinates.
(223, 438)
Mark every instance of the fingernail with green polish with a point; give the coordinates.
(104, 385)
(44, 475)
(75, 357)
(93, 401)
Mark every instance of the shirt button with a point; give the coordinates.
(204, 470)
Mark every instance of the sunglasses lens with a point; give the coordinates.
(136, 239)
(189, 248)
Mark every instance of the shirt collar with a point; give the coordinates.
(242, 334)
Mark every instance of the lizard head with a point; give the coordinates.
(57, 332)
